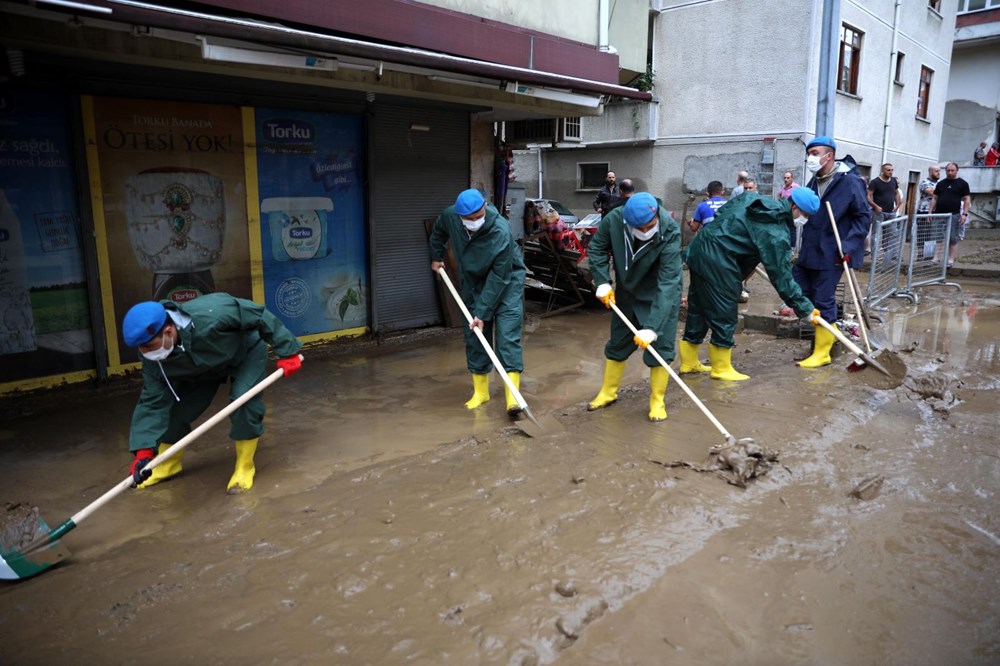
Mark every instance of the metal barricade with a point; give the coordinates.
(927, 265)
(888, 239)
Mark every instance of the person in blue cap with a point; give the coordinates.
(188, 350)
(819, 266)
(492, 272)
(749, 230)
(644, 242)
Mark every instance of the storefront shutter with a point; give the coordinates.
(420, 162)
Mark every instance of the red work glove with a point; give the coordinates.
(290, 365)
(844, 259)
(138, 470)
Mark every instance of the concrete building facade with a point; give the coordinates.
(972, 111)
(736, 85)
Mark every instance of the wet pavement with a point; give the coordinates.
(389, 525)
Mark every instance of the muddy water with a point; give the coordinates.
(389, 525)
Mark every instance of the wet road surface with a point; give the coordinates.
(389, 525)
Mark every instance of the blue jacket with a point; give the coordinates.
(847, 194)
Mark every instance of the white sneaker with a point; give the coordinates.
(744, 296)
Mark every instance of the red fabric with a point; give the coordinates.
(992, 156)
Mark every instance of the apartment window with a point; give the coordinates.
(592, 175)
(572, 129)
(935, 5)
(898, 76)
(850, 60)
(976, 5)
(924, 94)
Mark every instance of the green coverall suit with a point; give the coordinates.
(492, 272)
(749, 230)
(227, 339)
(647, 283)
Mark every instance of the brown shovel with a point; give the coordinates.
(888, 363)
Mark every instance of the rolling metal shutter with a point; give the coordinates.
(420, 162)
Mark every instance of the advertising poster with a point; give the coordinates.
(314, 245)
(174, 201)
(44, 316)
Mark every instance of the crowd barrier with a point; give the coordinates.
(927, 258)
(887, 245)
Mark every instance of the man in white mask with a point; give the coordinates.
(645, 244)
(819, 265)
(188, 350)
(492, 271)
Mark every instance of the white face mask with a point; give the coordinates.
(161, 353)
(645, 235)
(474, 225)
(813, 163)
(800, 221)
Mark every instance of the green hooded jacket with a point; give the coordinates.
(649, 280)
(748, 230)
(211, 348)
(489, 261)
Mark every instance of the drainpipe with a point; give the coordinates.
(829, 45)
(540, 195)
(892, 78)
(603, 18)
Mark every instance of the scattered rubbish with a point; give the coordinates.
(869, 488)
(736, 463)
(936, 390)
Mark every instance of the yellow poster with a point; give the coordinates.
(172, 214)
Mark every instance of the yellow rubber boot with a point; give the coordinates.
(613, 371)
(689, 358)
(166, 469)
(513, 409)
(480, 391)
(721, 359)
(242, 479)
(822, 344)
(657, 391)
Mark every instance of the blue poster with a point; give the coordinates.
(44, 313)
(312, 213)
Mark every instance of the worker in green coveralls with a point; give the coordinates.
(645, 242)
(492, 272)
(188, 350)
(748, 230)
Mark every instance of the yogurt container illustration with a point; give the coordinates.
(176, 221)
(298, 226)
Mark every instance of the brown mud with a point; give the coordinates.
(19, 525)
(389, 525)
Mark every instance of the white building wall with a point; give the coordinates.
(734, 67)
(924, 36)
(731, 73)
(973, 101)
(575, 20)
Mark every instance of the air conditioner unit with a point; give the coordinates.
(571, 129)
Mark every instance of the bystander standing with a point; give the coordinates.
(952, 195)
